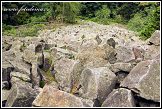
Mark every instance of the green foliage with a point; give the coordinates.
(146, 21)
(102, 16)
(21, 18)
(137, 22)
(88, 9)
(37, 19)
(23, 31)
(6, 27)
(42, 83)
(104, 13)
(10, 32)
(119, 19)
(49, 76)
(70, 10)
(142, 17)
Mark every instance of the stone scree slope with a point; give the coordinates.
(83, 65)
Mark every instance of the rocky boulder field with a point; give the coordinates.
(82, 65)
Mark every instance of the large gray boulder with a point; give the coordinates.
(52, 97)
(11, 55)
(97, 83)
(110, 53)
(119, 98)
(22, 95)
(21, 66)
(29, 53)
(124, 54)
(73, 46)
(151, 52)
(144, 79)
(94, 56)
(16, 45)
(67, 73)
(62, 52)
(47, 61)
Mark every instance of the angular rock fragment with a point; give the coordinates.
(47, 61)
(124, 54)
(92, 55)
(120, 66)
(73, 46)
(52, 97)
(29, 53)
(40, 59)
(144, 79)
(138, 53)
(21, 66)
(97, 83)
(67, 72)
(151, 52)
(87, 102)
(35, 76)
(98, 39)
(155, 38)
(16, 45)
(99, 62)
(119, 98)
(111, 42)
(22, 95)
(110, 53)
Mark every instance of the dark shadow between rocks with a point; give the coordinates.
(142, 102)
(120, 77)
(4, 103)
(96, 103)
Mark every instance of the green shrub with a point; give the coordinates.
(137, 22)
(23, 31)
(37, 19)
(104, 13)
(146, 21)
(6, 27)
(10, 32)
(119, 19)
(42, 83)
(21, 18)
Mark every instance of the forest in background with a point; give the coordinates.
(141, 17)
